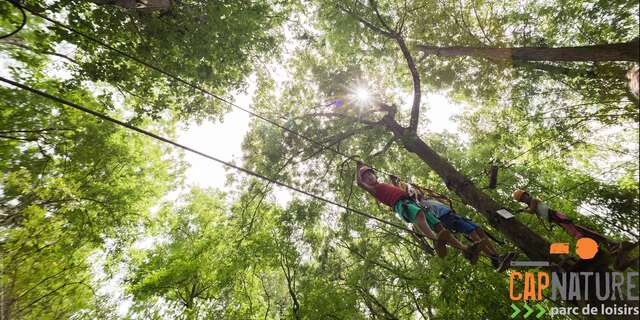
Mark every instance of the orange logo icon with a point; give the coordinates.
(586, 248)
(559, 248)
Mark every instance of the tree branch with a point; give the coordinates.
(50, 293)
(415, 76)
(341, 137)
(380, 305)
(390, 33)
(475, 14)
(18, 138)
(45, 280)
(364, 21)
(627, 51)
(403, 17)
(266, 293)
(417, 304)
(374, 6)
(465, 25)
(287, 274)
(16, 43)
(385, 148)
(35, 131)
(381, 263)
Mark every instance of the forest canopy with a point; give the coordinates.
(471, 99)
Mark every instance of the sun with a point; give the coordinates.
(362, 95)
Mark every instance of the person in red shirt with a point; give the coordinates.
(410, 211)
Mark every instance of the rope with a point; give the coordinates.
(181, 146)
(22, 24)
(207, 92)
(556, 195)
(194, 86)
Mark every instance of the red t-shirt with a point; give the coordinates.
(388, 193)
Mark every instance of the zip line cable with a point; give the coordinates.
(195, 86)
(181, 146)
(22, 24)
(207, 92)
(556, 195)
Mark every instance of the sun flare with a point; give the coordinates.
(362, 95)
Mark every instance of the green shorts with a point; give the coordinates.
(408, 210)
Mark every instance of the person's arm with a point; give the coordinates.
(358, 166)
(361, 183)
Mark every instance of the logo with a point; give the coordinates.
(586, 248)
(526, 289)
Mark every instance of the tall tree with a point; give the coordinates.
(363, 29)
(62, 199)
(71, 186)
(138, 5)
(187, 269)
(551, 127)
(628, 51)
(209, 44)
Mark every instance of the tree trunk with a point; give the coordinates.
(127, 4)
(618, 74)
(627, 51)
(138, 5)
(533, 245)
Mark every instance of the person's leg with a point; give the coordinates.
(421, 224)
(439, 242)
(425, 220)
(447, 222)
(436, 225)
(454, 222)
(409, 212)
(453, 241)
(477, 235)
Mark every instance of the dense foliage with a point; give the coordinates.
(98, 222)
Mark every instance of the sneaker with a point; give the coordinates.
(504, 261)
(614, 248)
(623, 265)
(440, 243)
(472, 253)
(621, 262)
(495, 261)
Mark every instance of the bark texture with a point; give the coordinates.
(138, 5)
(627, 51)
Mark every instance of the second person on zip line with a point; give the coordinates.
(411, 212)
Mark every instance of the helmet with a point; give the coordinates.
(363, 170)
(518, 194)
